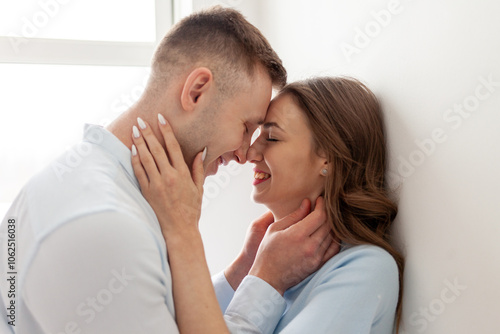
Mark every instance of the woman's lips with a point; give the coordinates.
(260, 176)
(257, 181)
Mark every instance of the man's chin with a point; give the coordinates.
(212, 169)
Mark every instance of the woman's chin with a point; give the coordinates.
(258, 198)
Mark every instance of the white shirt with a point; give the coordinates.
(90, 256)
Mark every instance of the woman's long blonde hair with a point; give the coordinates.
(346, 122)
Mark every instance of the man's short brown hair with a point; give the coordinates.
(222, 40)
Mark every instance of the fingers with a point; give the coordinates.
(152, 162)
(171, 143)
(314, 220)
(265, 220)
(332, 250)
(294, 217)
(144, 155)
(322, 233)
(153, 145)
(198, 172)
(139, 171)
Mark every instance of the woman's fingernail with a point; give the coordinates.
(204, 154)
(161, 119)
(141, 123)
(135, 130)
(134, 150)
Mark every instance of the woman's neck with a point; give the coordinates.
(280, 211)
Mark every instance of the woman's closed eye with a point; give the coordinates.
(270, 137)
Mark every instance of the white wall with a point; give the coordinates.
(426, 61)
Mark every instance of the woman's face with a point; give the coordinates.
(287, 169)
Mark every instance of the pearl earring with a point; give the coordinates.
(324, 171)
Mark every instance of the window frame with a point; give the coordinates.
(79, 52)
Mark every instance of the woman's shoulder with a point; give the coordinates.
(369, 261)
(364, 252)
(358, 277)
(366, 271)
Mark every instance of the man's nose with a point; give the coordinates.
(241, 153)
(253, 153)
(241, 158)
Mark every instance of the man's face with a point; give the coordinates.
(235, 121)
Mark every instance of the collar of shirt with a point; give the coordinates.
(100, 136)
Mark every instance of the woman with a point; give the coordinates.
(324, 137)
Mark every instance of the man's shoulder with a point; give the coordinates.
(78, 165)
(106, 225)
(93, 184)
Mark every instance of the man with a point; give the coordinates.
(90, 254)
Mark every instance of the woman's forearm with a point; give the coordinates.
(196, 306)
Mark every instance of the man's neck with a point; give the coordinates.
(121, 127)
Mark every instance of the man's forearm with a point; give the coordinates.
(237, 271)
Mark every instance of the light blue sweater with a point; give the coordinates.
(355, 292)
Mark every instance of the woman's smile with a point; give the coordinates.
(260, 176)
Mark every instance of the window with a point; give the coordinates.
(90, 32)
(91, 20)
(65, 63)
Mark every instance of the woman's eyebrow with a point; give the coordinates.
(268, 125)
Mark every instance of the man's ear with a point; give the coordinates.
(197, 84)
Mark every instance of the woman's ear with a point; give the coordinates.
(197, 84)
(325, 169)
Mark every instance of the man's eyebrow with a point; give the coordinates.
(272, 124)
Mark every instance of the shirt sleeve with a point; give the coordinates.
(223, 290)
(255, 308)
(359, 296)
(102, 273)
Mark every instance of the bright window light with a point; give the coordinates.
(106, 46)
(44, 108)
(91, 20)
